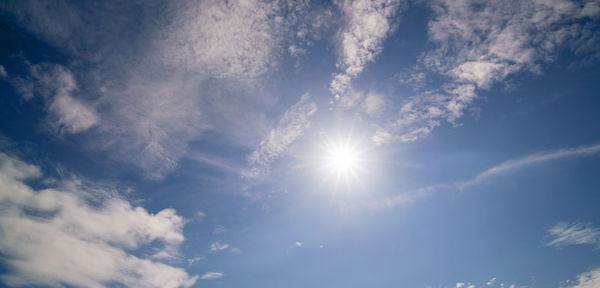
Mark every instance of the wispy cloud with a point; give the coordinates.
(366, 24)
(288, 130)
(298, 243)
(195, 259)
(482, 43)
(505, 167)
(567, 234)
(212, 275)
(531, 160)
(491, 283)
(218, 246)
(185, 67)
(56, 86)
(54, 236)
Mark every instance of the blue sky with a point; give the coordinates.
(382, 143)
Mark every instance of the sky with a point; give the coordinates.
(246, 143)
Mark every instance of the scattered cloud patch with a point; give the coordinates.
(218, 246)
(56, 85)
(590, 279)
(567, 234)
(220, 229)
(194, 260)
(299, 244)
(482, 43)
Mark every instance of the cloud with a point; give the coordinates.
(235, 250)
(218, 246)
(584, 151)
(566, 234)
(373, 104)
(3, 73)
(194, 260)
(212, 275)
(71, 114)
(460, 284)
(590, 279)
(220, 229)
(236, 39)
(482, 43)
(184, 68)
(366, 24)
(298, 243)
(288, 130)
(54, 237)
(505, 167)
(56, 85)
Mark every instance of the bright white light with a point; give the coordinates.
(342, 162)
(343, 159)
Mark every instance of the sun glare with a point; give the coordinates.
(343, 159)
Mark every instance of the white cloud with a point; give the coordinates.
(531, 160)
(234, 39)
(505, 167)
(3, 73)
(184, 67)
(590, 279)
(481, 43)
(56, 85)
(71, 114)
(373, 104)
(194, 260)
(565, 234)
(212, 275)
(298, 243)
(53, 237)
(220, 229)
(235, 250)
(218, 246)
(366, 24)
(288, 130)
(460, 284)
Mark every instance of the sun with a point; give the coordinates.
(343, 159)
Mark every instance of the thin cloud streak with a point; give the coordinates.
(503, 168)
(289, 129)
(212, 276)
(566, 234)
(531, 160)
